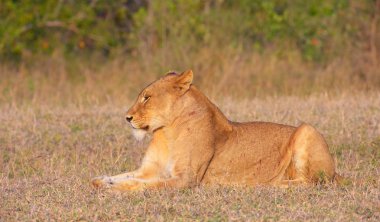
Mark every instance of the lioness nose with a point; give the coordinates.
(129, 118)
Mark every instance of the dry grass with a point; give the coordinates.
(218, 71)
(49, 151)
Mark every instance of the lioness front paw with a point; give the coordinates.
(102, 181)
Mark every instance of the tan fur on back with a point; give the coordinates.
(194, 143)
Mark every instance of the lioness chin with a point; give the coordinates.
(193, 143)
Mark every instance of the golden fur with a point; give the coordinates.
(194, 143)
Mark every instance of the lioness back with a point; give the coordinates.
(251, 154)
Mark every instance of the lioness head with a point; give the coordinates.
(153, 107)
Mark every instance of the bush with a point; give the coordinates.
(319, 29)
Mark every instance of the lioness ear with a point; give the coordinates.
(184, 80)
(171, 73)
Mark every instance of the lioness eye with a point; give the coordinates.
(145, 99)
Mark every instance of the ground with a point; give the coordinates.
(50, 153)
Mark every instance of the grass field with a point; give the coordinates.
(70, 69)
(50, 152)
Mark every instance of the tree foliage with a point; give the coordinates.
(317, 28)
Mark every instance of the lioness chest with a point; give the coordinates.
(250, 155)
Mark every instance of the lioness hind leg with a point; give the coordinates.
(311, 160)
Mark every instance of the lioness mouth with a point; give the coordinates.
(141, 128)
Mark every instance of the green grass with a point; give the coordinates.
(50, 153)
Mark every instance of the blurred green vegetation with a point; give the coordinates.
(318, 29)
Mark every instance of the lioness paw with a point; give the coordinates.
(102, 181)
(127, 186)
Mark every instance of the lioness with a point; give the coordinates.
(194, 143)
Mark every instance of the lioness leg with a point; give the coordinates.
(105, 181)
(180, 175)
(156, 183)
(311, 160)
(151, 166)
(143, 173)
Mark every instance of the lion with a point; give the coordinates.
(194, 144)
